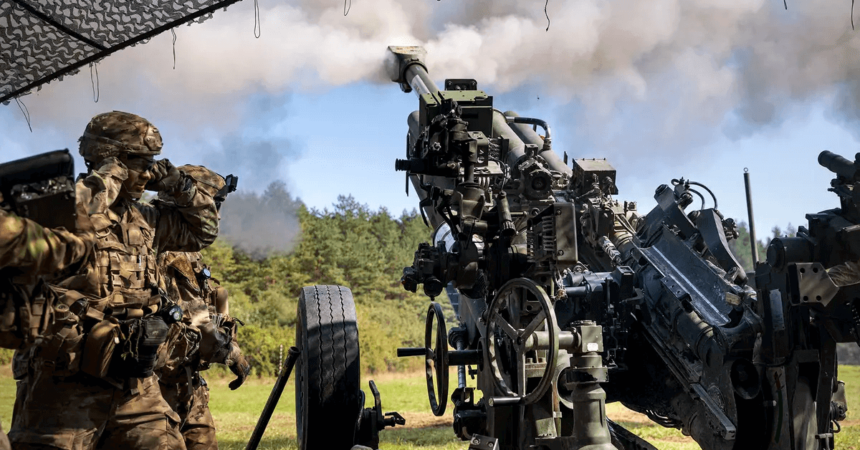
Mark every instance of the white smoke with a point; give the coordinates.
(633, 77)
(686, 62)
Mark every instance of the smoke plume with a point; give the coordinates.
(631, 78)
(261, 224)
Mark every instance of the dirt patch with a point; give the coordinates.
(626, 415)
(426, 420)
(674, 439)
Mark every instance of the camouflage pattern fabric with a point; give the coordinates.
(117, 132)
(845, 274)
(180, 377)
(206, 179)
(82, 412)
(78, 411)
(198, 426)
(130, 235)
(28, 246)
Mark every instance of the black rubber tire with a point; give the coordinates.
(328, 376)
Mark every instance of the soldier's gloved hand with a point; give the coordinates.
(214, 344)
(165, 176)
(239, 366)
(112, 166)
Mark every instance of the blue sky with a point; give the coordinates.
(356, 153)
(694, 89)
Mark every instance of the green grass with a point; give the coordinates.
(849, 438)
(236, 414)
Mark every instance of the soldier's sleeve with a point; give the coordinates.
(189, 224)
(100, 189)
(26, 245)
(845, 274)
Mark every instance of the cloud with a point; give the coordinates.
(631, 78)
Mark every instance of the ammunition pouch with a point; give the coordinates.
(60, 349)
(26, 310)
(99, 348)
(10, 327)
(21, 364)
(140, 350)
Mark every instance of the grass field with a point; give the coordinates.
(236, 414)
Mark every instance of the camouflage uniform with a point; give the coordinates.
(186, 278)
(27, 247)
(845, 274)
(65, 405)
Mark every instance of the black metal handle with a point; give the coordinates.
(505, 401)
(272, 402)
(411, 351)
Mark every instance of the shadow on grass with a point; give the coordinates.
(413, 437)
(273, 443)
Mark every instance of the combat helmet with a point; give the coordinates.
(119, 133)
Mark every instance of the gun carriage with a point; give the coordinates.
(567, 298)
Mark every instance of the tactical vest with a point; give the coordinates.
(126, 261)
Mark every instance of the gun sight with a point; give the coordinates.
(837, 164)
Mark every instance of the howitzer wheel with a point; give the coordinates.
(436, 359)
(503, 327)
(328, 394)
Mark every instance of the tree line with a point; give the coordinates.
(349, 245)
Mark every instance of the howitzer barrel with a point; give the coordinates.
(837, 164)
(405, 66)
(516, 146)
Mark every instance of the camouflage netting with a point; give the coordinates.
(43, 40)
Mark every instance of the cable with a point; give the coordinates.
(173, 31)
(700, 196)
(347, 8)
(95, 82)
(25, 112)
(709, 192)
(258, 26)
(547, 18)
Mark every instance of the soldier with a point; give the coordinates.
(100, 392)
(27, 247)
(206, 335)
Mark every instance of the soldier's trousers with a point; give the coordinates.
(85, 413)
(198, 426)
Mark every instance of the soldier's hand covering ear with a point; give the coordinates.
(165, 176)
(112, 166)
(239, 366)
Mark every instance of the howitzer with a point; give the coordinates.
(567, 298)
